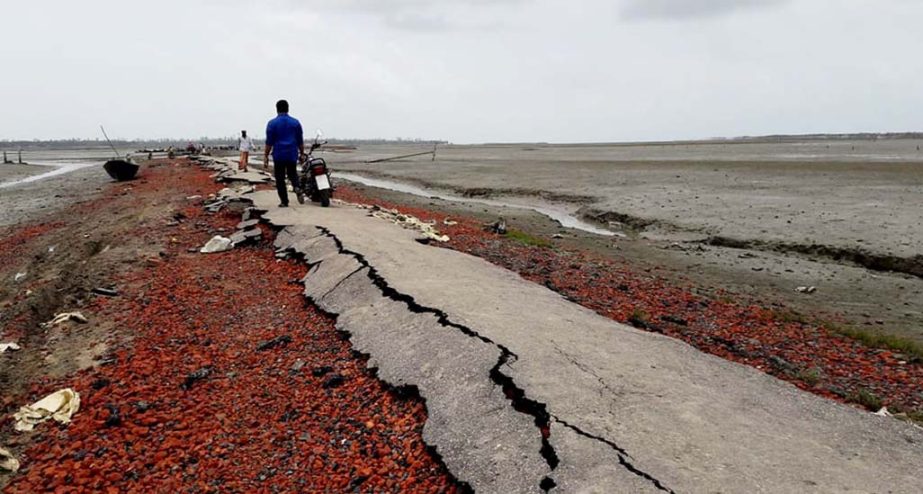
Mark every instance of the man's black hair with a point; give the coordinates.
(281, 106)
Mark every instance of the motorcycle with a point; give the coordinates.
(314, 177)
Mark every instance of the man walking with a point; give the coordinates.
(285, 140)
(245, 145)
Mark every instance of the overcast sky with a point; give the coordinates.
(462, 70)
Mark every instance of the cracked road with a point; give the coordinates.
(528, 392)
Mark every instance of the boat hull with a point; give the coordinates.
(121, 170)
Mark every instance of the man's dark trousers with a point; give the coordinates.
(282, 168)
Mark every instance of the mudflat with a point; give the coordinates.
(753, 219)
(843, 194)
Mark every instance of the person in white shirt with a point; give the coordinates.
(245, 145)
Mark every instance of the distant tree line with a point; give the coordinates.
(213, 142)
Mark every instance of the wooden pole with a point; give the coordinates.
(382, 160)
(20, 156)
(4, 158)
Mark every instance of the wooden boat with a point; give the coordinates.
(121, 170)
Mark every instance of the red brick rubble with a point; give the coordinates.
(227, 382)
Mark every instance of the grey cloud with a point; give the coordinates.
(682, 9)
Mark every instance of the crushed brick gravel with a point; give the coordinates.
(192, 399)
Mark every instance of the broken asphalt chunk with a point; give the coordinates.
(115, 417)
(320, 371)
(106, 292)
(275, 342)
(334, 381)
(675, 320)
(216, 244)
(244, 225)
(196, 376)
(65, 317)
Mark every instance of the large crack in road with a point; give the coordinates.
(525, 389)
(516, 395)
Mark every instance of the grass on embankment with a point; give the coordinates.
(527, 239)
(874, 339)
(912, 349)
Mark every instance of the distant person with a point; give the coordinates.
(245, 145)
(285, 140)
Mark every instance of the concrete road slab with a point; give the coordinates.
(683, 420)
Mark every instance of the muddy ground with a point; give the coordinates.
(827, 200)
(788, 216)
(35, 200)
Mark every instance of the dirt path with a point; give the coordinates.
(205, 372)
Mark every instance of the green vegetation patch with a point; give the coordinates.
(527, 239)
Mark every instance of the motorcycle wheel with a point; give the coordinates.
(299, 191)
(325, 198)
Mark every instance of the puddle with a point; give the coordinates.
(564, 217)
(54, 170)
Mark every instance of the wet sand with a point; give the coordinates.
(39, 199)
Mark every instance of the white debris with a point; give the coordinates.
(883, 412)
(66, 316)
(410, 222)
(19, 276)
(9, 347)
(405, 220)
(60, 406)
(217, 244)
(806, 289)
(8, 462)
(448, 222)
(192, 198)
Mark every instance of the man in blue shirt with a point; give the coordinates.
(285, 140)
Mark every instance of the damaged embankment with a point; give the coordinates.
(517, 397)
(283, 406)
(515, 394)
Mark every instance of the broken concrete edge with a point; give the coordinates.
(402, 390)
(516, 396)
(337, 270)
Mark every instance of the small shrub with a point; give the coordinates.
(867, 399)
(810, 376)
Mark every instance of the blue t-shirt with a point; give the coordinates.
(285, 136)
